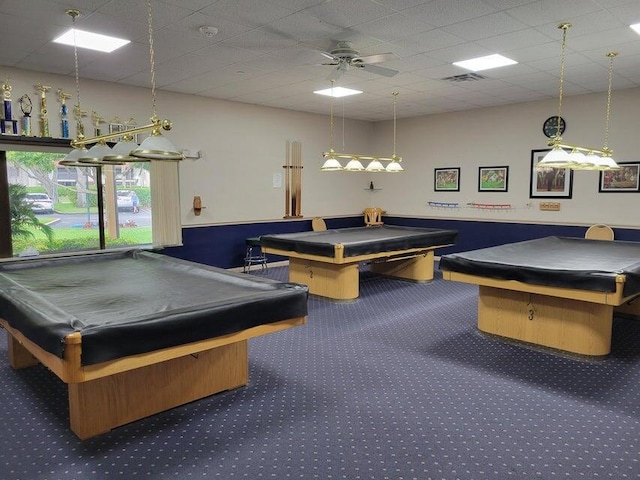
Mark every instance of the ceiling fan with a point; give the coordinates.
(344, 57)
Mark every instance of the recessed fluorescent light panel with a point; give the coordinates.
(636, 27)
(485, 63)
(338, 92)
(92, 41)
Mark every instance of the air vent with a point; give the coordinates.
(465, 77)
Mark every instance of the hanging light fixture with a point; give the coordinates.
(575, 157)
(375, 164)
(154, 147)
(353, 165)
(394, 166)
(558, 157)
(606, 161)
(71, 160)
(331, 164)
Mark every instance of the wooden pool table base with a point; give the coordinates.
(565, 324)
(571, 320)
(111, 394)
(341, 281)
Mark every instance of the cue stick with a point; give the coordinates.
(298, 155)
(294, 198)
(286, 180)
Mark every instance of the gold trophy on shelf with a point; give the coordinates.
(78, 115)
(44, 120)
(97, 120)
(64, 120)
(130, 125)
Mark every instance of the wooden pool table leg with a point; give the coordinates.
(417, 269)
(19, 356)
(99, 405)
(570, 325)
(336, 281)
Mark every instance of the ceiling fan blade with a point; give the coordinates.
(328, 55)
(385, 72)
(378, 58)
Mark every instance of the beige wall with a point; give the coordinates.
(243, 146)
(505, 136)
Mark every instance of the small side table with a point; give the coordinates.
(254, 254)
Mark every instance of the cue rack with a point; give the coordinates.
(293, 180)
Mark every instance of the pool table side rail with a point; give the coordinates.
(339, 258)
(70, 370)
(614, 298)
(357, 243)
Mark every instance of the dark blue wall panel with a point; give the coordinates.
(224, 245)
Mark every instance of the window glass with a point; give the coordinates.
(55, 208)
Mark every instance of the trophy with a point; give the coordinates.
(44, 121)
(64, 120)
(97, 120)
(9, 126)
(78, 114)
(130, 125)
(26, 106)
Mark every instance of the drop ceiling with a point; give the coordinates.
(267, 52)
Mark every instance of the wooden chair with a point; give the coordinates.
(599, 232)
(318, 224)
(372, 216)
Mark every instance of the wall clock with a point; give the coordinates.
(550, 126)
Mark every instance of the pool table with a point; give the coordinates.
(557, 292)
(135, 333)
(327, 261)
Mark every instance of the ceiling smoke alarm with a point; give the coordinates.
(208, 31)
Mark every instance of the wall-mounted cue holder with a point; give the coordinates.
(550, 206)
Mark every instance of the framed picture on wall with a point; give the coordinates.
(621, 181)
(549, 182)
(493, 179)
(446, 179)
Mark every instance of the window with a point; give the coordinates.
(56, 209)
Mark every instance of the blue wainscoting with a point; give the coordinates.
(481, 234)
(224, 245)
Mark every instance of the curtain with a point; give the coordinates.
(165, 204)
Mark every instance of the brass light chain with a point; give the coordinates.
(564, 27)
(73, 13)
(611, 56)
(331, 118)
(395, 98)
(154, 117)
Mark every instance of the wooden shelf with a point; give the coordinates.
(36, 141)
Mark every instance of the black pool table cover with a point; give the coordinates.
(555, 261)
(359, 240)
(136, 301)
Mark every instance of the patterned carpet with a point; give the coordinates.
(398, 385)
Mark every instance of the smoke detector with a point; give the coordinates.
(208, 31)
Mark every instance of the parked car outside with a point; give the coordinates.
(39, 202)
(127, 200)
